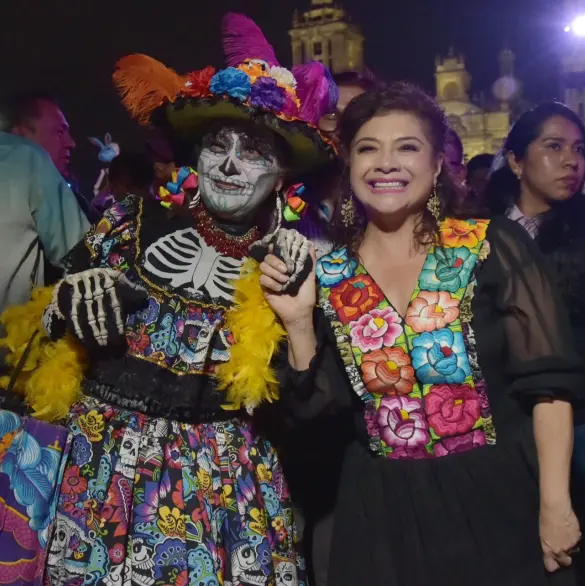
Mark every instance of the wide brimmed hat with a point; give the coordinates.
(254, 87)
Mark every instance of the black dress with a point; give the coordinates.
(467, 519)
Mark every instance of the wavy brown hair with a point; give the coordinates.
(397, 97)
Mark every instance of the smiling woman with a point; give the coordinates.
(442, 352)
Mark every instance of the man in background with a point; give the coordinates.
(37, 117)
(40, 213)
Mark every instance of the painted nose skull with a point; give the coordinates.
(229, 167)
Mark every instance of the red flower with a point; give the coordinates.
(452, 409)
(182, 579)
(354, 297)
(388, 371)
(177, 495)
(197, 85)
(73, 483)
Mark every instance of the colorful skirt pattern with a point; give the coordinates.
(152, 502)
(31, 455)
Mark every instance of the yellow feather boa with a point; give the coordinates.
(53, 371)
(248, 376)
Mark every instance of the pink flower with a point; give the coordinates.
(452, 409)
(432, 310)
(463, 443)
(402, 422)
(379, 327)
(409, 454)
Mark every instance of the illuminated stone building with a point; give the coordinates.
(325, 33)
(481, 123)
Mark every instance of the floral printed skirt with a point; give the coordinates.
(149, 501)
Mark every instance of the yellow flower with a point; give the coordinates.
(204, 479)
(278, 523)
(264, 475)
(92, 424)
(171, 522)
(467, 233)
(226, 500)
(259, 525)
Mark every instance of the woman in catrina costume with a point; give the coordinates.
(168, 479)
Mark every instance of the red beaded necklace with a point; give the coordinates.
(227, 244)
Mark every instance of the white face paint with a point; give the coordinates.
(237, 173)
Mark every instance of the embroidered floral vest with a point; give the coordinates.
(419, 376)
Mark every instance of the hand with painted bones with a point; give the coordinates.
(91, 303)
(293, 249)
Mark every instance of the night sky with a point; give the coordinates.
(69, 47)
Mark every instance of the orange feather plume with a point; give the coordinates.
(145, 84)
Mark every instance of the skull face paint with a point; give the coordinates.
(237, 173)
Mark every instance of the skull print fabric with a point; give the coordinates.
(149, 501)
(146, 500)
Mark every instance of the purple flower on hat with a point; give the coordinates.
(267, 94)
(231, 81)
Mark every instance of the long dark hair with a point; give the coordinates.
(397, 97)
(564, 221)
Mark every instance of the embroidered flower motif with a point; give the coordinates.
(284, 77)
(334, 267)
(440, 357)
(267, 94)
(117, 553)
(91, 425)
(455, 233)
(232, 82)
(197, 84)
(447, 269)
(462, 443)
(354, 297)
(431, 310)
(419, 453)
(380, 327)
(452, 409)
(388, 372)
(402, 422)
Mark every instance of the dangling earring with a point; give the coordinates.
(348, 212)
(434, 204)
(276, 222)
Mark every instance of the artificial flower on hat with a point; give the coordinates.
(253, 86)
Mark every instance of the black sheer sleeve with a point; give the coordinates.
(541, 359)
(321, 390)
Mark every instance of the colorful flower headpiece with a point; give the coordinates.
(173, 193)
(253, 82)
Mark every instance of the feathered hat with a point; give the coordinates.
(252, 87)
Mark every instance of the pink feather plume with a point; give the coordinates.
(316, 90)
(242, 39)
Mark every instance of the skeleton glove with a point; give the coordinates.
(93, 305)
(293, 249)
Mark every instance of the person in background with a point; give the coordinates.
(131, 174)
(538, 183)
(38, 117)
(441, 348)
(478, 170)
(39, 213)
(161, 155)
(454, 157)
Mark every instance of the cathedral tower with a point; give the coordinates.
(324, 33)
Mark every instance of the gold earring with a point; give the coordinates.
(348, 212)
(434, 205)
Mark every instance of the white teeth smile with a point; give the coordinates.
(228, 187)
(389, 184)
